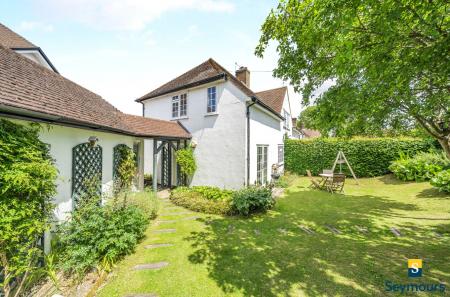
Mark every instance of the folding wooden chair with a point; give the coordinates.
(337, 183)
(314, 183)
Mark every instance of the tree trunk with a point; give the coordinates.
(445, 143)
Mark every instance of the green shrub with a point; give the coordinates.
(442, 181)
(99, 235)
(421, 167)
(196, 201)
(367, 156)
(186, 160)
(213, 193)
(252, 199)
(27, 185)
(144, 200)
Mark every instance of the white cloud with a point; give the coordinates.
(192, 32)
(30, 26)
(126, 15)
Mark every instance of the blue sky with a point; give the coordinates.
(124, 49)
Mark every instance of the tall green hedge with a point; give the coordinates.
(367, 156)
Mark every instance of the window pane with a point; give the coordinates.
(183, 105)
(211, 106)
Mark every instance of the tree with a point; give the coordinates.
(388, 61)
(307, 117)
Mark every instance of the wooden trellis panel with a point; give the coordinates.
(86, 167)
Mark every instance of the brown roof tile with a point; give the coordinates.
(29, 86)
(10, 39)
(273, 98)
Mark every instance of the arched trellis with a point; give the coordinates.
(86, 169)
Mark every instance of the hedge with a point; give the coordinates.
(367, 156)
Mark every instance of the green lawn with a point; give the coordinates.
(269, 255)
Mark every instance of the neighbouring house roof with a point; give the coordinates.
(310, 133)
(44, 94)
(273, 98)
(206, 72)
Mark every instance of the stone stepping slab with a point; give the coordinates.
(157, 245)
(395, 231)
(164, 231)
(282, 231)
(141, 295)
(178, 220)
(151, 266)
(307, 230)
(333, 229)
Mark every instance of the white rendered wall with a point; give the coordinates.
(265, 129)
(220, 137)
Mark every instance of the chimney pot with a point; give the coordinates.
(243, 74)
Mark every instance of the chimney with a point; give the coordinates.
(243, 74)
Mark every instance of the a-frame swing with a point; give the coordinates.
(341, 159)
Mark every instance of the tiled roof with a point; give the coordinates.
(32, 87)
(310, 133)
(273, 98)
(10, 39)
(207, 71)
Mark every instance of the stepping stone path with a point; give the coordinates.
(231, 229)
(333, 229)
(307, 230)
(164, 231)
(362, 229)
(166, 221)
(141, 295)
(396, 232)
(157, 245)
(151, 266)
(438, 235)
(257, 232)
(175, 213)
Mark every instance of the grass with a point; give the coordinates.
(269, 255)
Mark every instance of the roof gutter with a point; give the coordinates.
(186, 86)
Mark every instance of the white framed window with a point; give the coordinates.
(183, 105)
(287, 120)
(280, 153)
(261, 164)
(175, 106)
(212, 102)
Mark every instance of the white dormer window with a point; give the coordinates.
(179, 106)
(212, 103)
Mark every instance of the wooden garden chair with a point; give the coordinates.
(337, 183)
(314, 183)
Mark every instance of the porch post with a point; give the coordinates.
(155, 160)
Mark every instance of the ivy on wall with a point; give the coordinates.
(367, 156)
(124, 169)
(186, 160)
(27, 185)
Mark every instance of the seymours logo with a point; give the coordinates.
(414, 270)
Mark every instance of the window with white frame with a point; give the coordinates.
(281, 153)
(183, 105)
(287, 119)
(212, 102)
(179, 106)
(261, 164)
(175, 106)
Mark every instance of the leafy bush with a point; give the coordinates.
(144, 200)
(27, 183)
(196, 201)
(423, 166)
(99, 235)
(252, 199)
(212, 193)
(186, 160)
(442, 181)
(367, 156)
(126, 169)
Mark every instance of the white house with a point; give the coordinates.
(82, 129)
(237, 133)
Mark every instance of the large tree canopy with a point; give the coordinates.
(388, 61)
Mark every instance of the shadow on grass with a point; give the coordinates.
(433, 193)
(270, 255)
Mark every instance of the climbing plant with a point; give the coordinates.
(124, 167)
(186, 160)
(27, 185)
